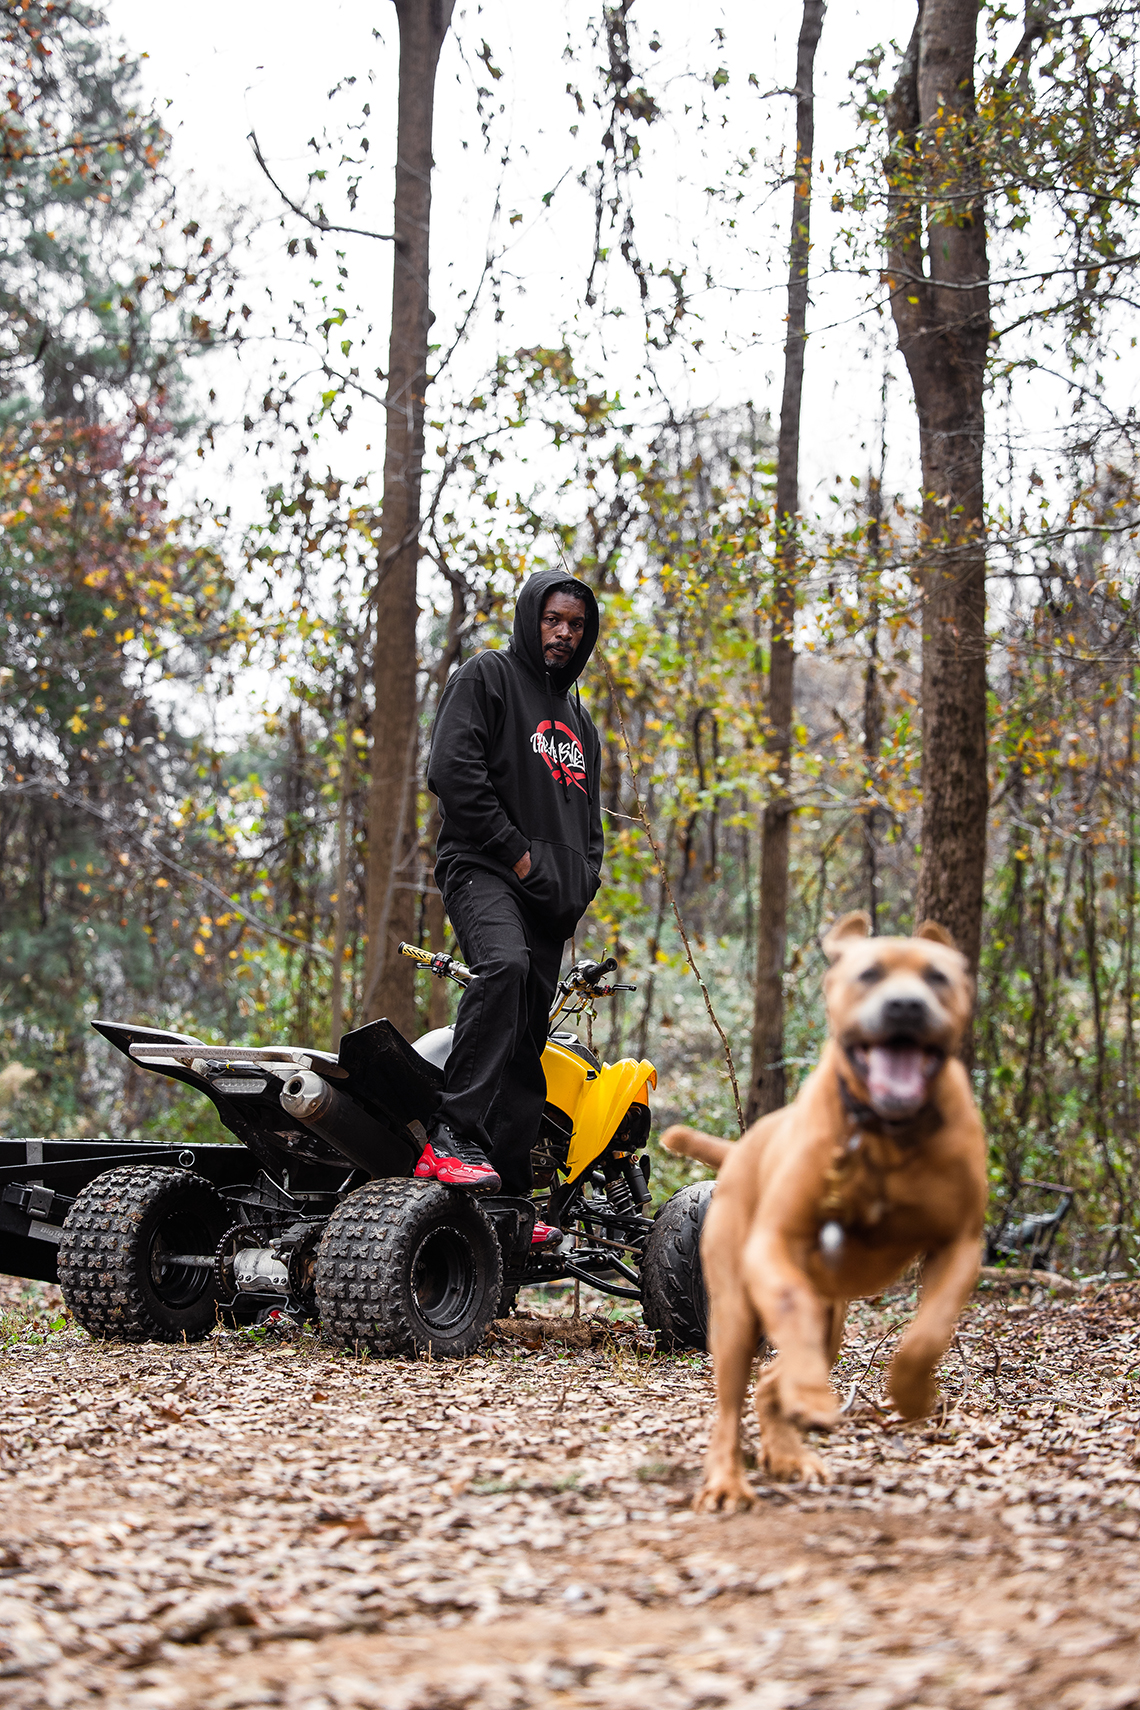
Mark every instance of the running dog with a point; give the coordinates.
(879, 1160)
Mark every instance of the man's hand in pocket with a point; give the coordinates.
(522, 865)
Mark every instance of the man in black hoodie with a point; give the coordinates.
(516, 767)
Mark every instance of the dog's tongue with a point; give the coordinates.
(895, 1078)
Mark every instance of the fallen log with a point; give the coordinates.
(1019, 1275)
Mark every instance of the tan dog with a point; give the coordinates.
(880, 1159)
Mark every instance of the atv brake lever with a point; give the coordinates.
(589, 973)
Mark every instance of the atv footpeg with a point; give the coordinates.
(514, 1221)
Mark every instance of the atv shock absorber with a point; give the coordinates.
(622, 1188)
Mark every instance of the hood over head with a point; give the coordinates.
(526, 641)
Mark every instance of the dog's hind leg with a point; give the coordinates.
(734, 1336)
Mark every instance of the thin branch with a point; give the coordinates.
(319, 222)
(80, 145)
(1036, 30)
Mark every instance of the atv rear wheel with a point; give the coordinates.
(673, 1300)
(409, 1265)
(119, 1239)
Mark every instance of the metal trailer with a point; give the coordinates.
(40, 1181)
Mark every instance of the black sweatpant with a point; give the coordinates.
(493, 1086)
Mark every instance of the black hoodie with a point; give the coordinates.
(516, 765)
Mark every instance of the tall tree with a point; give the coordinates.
(767, 1087)
(872, 699)
(86, 273)
(105, 597)
(388, 983)
(937, 275)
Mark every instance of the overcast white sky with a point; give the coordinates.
(228, 68)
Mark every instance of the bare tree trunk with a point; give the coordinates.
(1099, 1112)
(344, 837)
(942, 318)
(641, 1046)
(340, 916)
(435, 917)
(301, 907)
(872, 703)
(388, 982)
(435, 920)
(1127, 1112)
(767, 1088)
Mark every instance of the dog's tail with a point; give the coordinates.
(689, 1143)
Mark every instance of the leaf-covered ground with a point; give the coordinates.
(265, 1521)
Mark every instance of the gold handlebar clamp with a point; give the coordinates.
(443, 967)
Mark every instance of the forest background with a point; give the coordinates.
(195, 648)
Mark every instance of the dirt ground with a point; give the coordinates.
(260, 1520)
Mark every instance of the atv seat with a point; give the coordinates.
(385, 1071)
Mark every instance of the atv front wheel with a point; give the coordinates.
(127, 1257)
(673, 1300)
(409, 1266)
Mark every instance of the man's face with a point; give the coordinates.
(561, 627)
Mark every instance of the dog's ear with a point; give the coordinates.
(931, 929)
(857, 925)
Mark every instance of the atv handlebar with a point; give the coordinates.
(586, 977)
(443, 967)
(583, 980)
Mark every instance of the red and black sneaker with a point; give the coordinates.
(456, 1162)
(545, 1234)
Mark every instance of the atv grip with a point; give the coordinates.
(416, 954)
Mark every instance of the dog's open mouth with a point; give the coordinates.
(896, 1073)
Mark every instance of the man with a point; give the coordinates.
(516, 767)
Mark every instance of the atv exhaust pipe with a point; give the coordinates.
(339, 1120)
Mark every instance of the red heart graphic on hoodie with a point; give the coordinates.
(566, 761)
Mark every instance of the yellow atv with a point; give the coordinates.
(317, 1214)
(592, 1173)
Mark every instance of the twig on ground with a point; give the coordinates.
(884, 1338)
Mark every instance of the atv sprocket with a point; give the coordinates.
(235, 1239)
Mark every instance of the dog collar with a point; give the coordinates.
(866, 1116)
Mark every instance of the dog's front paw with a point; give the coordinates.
(913, 1390)
(724, 1493)
(809, 1404)
(798, 1465)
